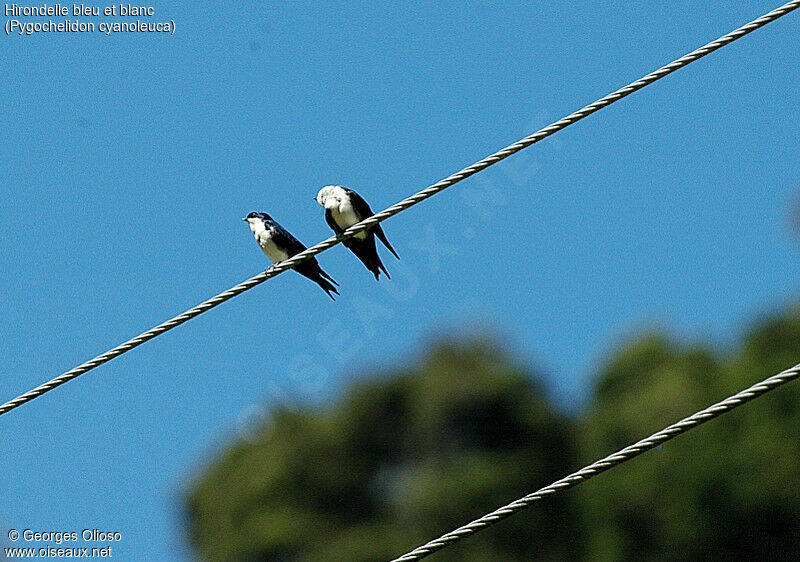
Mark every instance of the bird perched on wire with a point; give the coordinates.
(279, 245)
(344, 208)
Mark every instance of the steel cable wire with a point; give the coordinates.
(399, 207)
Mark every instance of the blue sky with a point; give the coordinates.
(129, 160)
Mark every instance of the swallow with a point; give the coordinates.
(344, 208)
(279, 244)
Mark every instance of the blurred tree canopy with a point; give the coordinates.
(414, 453)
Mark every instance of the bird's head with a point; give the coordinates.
(255, 217)
(330, 196)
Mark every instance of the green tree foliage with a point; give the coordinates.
(401, 458)
(417, 452)
(729, 490)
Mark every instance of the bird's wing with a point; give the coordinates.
(284, 239)
(332, 223)
(360, 206)
(364, 211)
(382, 237)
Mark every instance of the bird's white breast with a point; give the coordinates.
(345, 216)
(263, 236)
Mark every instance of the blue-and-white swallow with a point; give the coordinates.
(344, 208)
(279, 245)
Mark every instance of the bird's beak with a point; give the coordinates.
(244, 219)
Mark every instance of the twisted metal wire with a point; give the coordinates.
(401, 206)
(605, 463)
